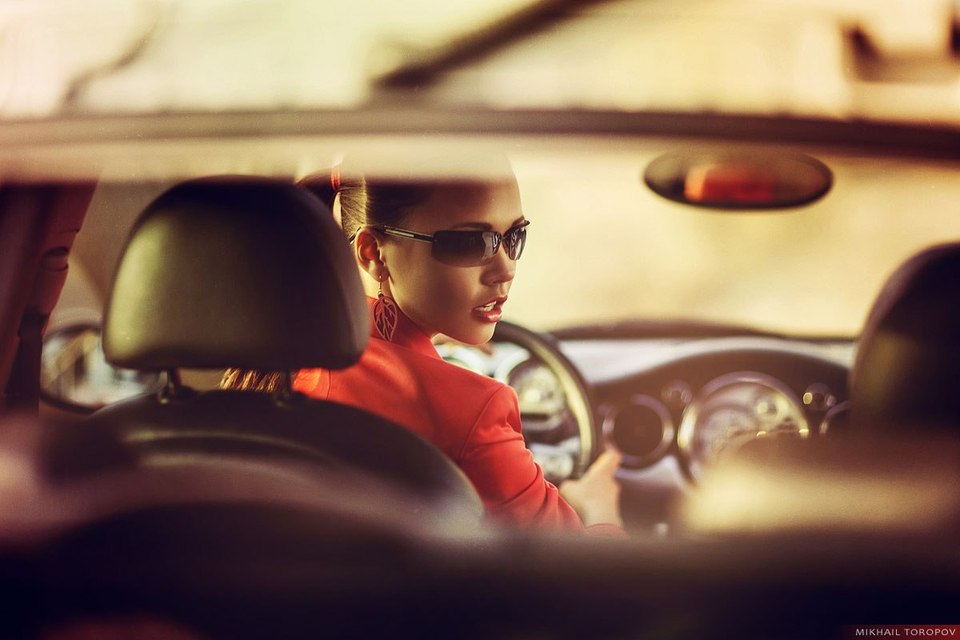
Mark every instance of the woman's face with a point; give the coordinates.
(464, 303)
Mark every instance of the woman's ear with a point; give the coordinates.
(369, 256)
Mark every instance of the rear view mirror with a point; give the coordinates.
(739, 180)
(74, 374)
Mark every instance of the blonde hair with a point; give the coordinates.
(365, 203)
(253, 380)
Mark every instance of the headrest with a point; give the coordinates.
(236, 272)
(907, 370)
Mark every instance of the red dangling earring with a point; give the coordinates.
(385, 315)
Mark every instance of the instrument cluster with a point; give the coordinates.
(726, 415)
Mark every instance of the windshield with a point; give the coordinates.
(604, 248)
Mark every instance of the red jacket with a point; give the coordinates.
(472, 418)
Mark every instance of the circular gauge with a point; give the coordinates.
(543, 403)
(537, 388)
(733, 411)
(676, 394)
(641, 429)
(818, 397)
(837, 419)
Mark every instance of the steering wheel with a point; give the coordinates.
(559, 425)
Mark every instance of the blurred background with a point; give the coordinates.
(865, 58)
(603, 248)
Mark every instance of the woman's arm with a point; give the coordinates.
(511, 484)
(596, 495)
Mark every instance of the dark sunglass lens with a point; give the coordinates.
(463, 248)
(514, 242)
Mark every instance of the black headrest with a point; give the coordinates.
(236, 272)
(907, 370)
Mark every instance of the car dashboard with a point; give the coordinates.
(673, 406)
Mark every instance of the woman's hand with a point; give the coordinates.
(595, 496)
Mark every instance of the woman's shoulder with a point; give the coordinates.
(439, 375)
(441, 400)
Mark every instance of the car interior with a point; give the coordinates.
(752, 294)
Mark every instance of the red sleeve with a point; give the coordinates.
(502, 469)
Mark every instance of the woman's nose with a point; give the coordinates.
(501, 269)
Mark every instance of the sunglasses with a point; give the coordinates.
(462, 248)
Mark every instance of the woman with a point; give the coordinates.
(439, 259)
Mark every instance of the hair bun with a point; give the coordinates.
(335, 178)
(324, 185)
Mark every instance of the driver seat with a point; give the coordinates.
(254, 273)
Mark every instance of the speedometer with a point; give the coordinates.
(733, 411)
(543, 403)
(538, 390)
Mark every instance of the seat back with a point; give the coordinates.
(906, 373)
(235, 272)
(253, 273)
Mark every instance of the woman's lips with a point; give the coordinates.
(490, 312)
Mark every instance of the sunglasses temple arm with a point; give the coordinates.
(403, 233)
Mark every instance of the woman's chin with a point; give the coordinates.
(475, 335)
